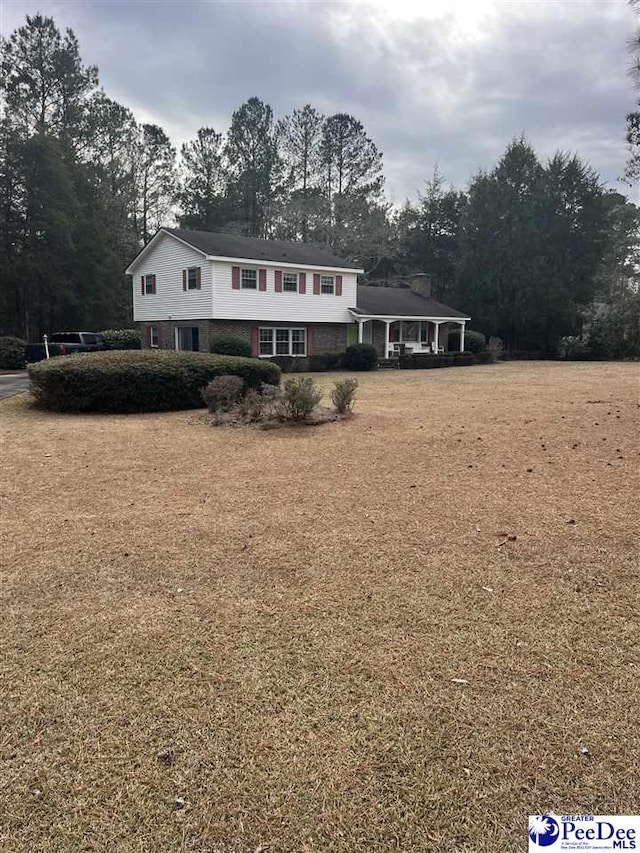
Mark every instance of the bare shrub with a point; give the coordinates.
(222, 393)
(343, 395)
(299, 398)
(495, 347)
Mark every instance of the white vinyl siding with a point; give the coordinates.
(216, 298)
(166, 260)
(268, 306)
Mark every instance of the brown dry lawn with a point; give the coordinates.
(223, 639)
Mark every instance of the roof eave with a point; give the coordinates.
(369, 316)
(283, 264)
(145, 249)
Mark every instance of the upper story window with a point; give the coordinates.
(327, 284)
(148, 284)
(192, 278)
(290, 282)
(249, 279)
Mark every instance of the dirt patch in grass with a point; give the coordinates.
(405, 632)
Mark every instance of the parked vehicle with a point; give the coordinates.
(64, 343)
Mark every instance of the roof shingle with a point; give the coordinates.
(251, 248)
(400, 302)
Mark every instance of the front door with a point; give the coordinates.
(187, 338)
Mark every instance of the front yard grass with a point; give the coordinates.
(404, 632)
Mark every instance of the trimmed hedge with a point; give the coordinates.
(12, 353)
(230, 345)
(474, 341)
(143, 381)
(360, 357)
(424, 361)
(121, 339)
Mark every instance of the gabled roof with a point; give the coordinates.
(236, 247)
(400, 302)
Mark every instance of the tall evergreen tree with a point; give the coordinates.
(254, 165)
(202, 193)
(304, 206)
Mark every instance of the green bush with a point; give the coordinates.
(230, 345)
(143, 381)
(343, 395)
(12, 353)
(473, 341)
(485, 357)
(121, 339)
(360, 357)
(299, 398)
(325, 361)
(223, 392)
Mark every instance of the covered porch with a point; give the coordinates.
(394, 336)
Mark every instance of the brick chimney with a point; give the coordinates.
(421, 283)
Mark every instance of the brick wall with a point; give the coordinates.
(327, 337)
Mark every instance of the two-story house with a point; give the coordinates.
(284, 298)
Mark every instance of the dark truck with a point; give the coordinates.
(64, 343)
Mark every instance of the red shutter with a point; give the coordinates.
(255, 340)
(199, 278)
(338, 285)
(142, 285)
(309, 340)
(154, 282)
(316, 283)
(302, 283)
(278, 281)
(262, 279)
(184, 279)
(235, 278)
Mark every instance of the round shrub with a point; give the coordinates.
(473, 341)
(12, 353)
(230, 345)
(142, 381)
(121, 338)
(360, 357)
(223, 392)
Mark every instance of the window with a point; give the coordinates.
(149, 284)
(290, 282)
(266, 341)
(249, 279)
(187, 338)
(283, 341)
(326, 284)
(153, 336)
(192, 278)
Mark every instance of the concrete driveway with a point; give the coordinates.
(13, 383)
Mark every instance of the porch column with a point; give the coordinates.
(435, 336)
(462, 325)
(360, 331)
(387, 324)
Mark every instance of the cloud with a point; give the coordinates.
(431, 85)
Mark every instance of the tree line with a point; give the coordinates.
(83, 186)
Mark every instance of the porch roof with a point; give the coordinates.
(401, 303)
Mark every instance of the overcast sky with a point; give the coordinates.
(445, 82)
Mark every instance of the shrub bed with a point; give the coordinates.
(12, 353)
(142, 381)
